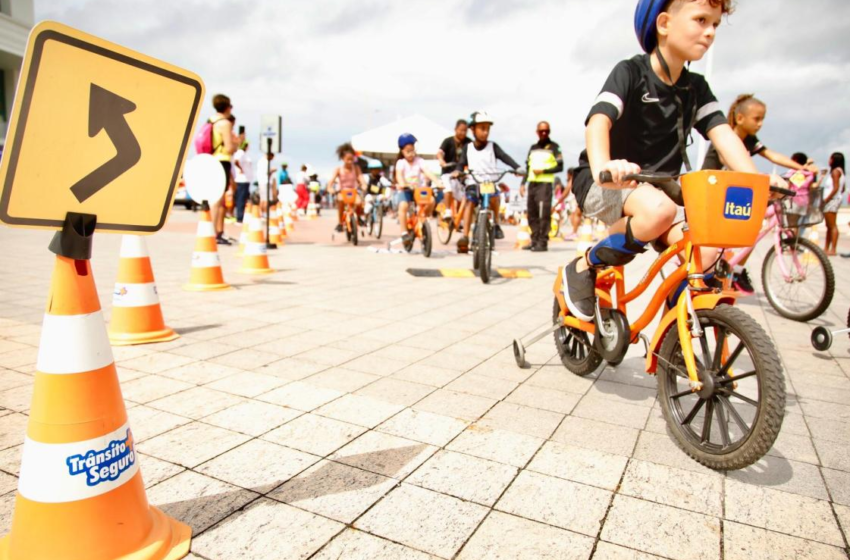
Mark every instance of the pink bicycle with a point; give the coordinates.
(796, 274)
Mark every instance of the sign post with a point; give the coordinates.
(270, 132)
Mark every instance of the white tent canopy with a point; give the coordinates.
(382, 142)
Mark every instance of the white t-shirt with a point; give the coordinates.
(263, 173)
(243, 176)
(412, 173)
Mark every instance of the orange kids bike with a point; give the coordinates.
(349, 214)
(720, 384)
(417, 221)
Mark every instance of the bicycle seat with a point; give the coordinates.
(663, 181)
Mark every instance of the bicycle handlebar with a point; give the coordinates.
(664, 181)
(495, 180)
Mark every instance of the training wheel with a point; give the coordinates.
(519, 354)
(821, 338)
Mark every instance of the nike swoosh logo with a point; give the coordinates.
(647, 99)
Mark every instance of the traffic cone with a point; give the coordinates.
(601, 231)
(206, 272)
(585, 238)
(255, 259)
(80, 492)
(246, 226)
(136, 313)
(523, 236)
(311, 211)
(274, 226)
(289, 219)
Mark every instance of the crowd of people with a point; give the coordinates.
(653, 91)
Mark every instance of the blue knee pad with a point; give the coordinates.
(617, 249)
(673, 299)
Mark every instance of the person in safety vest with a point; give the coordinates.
(544, 161)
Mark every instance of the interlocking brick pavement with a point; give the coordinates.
(342, 408)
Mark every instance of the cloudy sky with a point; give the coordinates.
(334, 68)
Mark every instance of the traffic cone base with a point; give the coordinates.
(255, 258)
(80, 491)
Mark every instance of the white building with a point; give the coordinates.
(16, 19)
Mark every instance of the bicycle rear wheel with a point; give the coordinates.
(574, 347)
(733, 420)
(808, 289)
(445, 228)
(484, 247)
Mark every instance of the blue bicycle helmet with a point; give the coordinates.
(646, 14)
(406, 139)
(374, 164)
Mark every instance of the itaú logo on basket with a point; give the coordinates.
(100, 465)
(739, 203)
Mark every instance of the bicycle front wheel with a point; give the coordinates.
(484, 247)
(427, 239)
(806, 291)
(734, 418)
(379, 221)
(353, 221)
(445, 227)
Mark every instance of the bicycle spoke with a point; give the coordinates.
(706, 353)
(732, 357)
(682, 394)
(747, 400)
(692, 414)
(706, 422)
(718, 348)
(738, 377)
(734, 414)
(723, 423)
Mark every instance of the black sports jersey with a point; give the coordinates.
(712, 158)
(644, 114)
(451, 152)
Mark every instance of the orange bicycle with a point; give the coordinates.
(447, 226)
(417, 221)
(721, 387)
(349, 214)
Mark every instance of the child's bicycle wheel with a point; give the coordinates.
(445, 228)
(352, 220)
(483, 248)
(427, 239)
(808, 290)
(733, 420)
(574, 347)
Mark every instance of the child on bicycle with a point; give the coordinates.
(349, 177)
(410, 173)
(641, 121)
(746, 117)
(479, 157)
(377, 186)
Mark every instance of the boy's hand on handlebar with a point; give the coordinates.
(520, 172)
(777, 181)
(618, 169)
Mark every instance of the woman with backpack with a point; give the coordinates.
(833, 189)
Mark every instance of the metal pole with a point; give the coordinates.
(269, 156)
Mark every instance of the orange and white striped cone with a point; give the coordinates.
(206, 272)
(312, 213)
(255, 260)
(274, 226)
(246, 225)
(80, 492)
(281, 225)
(136, 313)
(289, 220)
(523, 236)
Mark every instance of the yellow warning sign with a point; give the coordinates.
(96, 129)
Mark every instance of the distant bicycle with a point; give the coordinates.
(349, 198)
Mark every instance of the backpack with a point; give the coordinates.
(204, 138)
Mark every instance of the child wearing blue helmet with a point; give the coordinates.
(410, 172)
(641, 120)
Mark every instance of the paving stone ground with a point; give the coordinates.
(342, 408)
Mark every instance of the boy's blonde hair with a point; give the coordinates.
(740, 106)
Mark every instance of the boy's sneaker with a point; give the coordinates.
(579, 291)
(497, 230)
(463, 245)
(741, 282)
(222, 241)
(447, 215)
(338, 228)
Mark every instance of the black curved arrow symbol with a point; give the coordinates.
(106, 112)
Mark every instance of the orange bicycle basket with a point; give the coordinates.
(725, 208)
(423, 195)
(349, 196)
